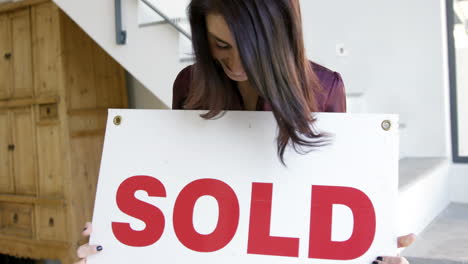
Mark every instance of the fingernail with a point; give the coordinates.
(99, 248)
(380, 258)
(375, 262)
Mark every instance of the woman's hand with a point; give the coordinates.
(86, 250)
(404, 241)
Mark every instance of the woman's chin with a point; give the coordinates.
(239, 79)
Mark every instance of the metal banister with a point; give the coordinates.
(167, 19)
(120, 34)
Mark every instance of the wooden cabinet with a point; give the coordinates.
(56, 85)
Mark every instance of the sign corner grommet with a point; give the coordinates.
(386, 125)
(117, 120)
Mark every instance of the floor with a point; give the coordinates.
(4, 259)
(445, 240)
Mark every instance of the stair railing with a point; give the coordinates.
(121, 35)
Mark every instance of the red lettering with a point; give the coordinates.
(260, 241)
(320, 244)
(151, 215)
(228, 215)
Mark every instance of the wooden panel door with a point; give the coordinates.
(52, 225)
(24, 155)
(50, 161)
(5, 57)
(22, 54)
(6, 177)
(109, 80)
(46, 49)
(17, 219)
(80, 72)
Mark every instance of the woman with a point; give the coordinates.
(261, 65)
(250, 56)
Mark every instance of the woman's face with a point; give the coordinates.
(224, 48)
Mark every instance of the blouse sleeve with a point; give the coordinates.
(180, 89)
(336, 100)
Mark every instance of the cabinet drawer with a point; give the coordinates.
(16, 219)
(52, 223)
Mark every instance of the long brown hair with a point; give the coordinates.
(270, 40)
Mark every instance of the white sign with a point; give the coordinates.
(174, 188)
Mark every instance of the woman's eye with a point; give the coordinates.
(222, 45)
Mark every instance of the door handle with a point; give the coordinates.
(7, 56)
(11, 147)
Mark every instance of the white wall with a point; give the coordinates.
(151, 54)
(139, 97)
(395, 61)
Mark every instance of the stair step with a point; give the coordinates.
(412, 169)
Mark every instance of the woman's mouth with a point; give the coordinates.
(235, 76)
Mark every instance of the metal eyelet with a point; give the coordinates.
(386, 125)
(117, 120)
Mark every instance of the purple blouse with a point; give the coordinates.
(331, 99)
